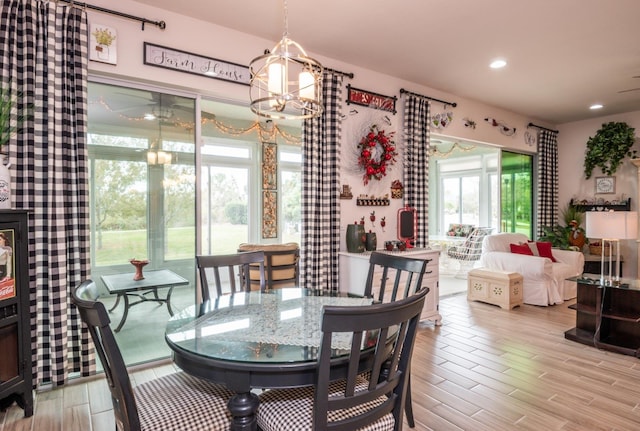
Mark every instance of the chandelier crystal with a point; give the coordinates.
(285, 82)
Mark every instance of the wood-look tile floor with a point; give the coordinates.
(484, 369)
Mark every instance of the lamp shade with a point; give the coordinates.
(612, 224)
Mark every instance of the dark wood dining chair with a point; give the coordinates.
(406, 275)
(281, 264)
(235, 265)
(175, 402)
(370, 396)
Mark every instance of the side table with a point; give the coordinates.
(125, 286)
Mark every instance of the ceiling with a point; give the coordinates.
(563, 55)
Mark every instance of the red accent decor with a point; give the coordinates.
(377, 151)
(521, 249)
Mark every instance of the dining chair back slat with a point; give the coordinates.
(237, 267)
(371, 395)
(407, 276)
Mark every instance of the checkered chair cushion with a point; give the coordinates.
(292, 409)
(180, 402)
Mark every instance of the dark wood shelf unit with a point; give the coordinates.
(626, 206)
(607, 317)
(16, 377)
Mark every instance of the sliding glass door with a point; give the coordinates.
(516, 193)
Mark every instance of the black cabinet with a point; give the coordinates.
(16, 377)
(607, 317)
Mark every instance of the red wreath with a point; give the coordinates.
(377, 152)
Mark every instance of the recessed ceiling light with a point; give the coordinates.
(596, 106)
(498, 64)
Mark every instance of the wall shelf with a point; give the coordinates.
(373, 202)
(625, 206)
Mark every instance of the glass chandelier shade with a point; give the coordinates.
(286, 83)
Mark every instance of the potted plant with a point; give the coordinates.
(12, 116)
(569, 236)
(608, 148)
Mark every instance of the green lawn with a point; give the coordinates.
(117, 247)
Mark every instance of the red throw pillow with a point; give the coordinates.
(544, 250)
(521, 249)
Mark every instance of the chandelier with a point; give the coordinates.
(285, 82)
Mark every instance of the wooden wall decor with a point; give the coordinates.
(269, 214)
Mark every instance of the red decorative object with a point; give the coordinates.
(371, 99)
(377, 152)
(139, 264)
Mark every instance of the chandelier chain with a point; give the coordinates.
(286, 20)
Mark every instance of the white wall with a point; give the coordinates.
(214, 41)
(572, 143)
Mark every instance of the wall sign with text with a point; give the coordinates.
(371, 100)
(182, 61)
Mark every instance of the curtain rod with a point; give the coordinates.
(454, 104)
(543, 128)
(160, 24)
(339, 72)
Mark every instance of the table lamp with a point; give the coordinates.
(611, 226)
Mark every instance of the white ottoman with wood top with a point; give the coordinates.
(495, 287)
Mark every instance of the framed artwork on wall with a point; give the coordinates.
(605, 185)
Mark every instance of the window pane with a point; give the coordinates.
(179, 211)
(451, 200)
(291, 214)
(119, 211)
(470, 200)
(225, 209)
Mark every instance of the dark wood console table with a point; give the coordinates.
(607, 317)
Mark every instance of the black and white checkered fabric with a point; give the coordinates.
(547, 180)
(44, 55)
(416, 162)
(321, 190)
(180, 402)
(292, 409)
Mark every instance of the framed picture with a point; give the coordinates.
(605, 184)
(7, 268)
(102, 46)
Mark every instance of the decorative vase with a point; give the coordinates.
(356, 238)
(139, 264)
(5, 182)
(372, 241)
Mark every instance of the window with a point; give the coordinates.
(143, 194)
(463, 181)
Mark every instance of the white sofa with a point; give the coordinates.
(544, 282)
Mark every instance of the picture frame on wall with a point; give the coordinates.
(102, 44)
(605, 185)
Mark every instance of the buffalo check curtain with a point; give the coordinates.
(44, 60)
(320, 190)
(547, 180)
(416, 162)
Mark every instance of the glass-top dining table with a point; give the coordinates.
(257, 340)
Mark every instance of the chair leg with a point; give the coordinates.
(408, 405)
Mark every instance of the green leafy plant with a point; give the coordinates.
(559, 236)
(608, 148)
